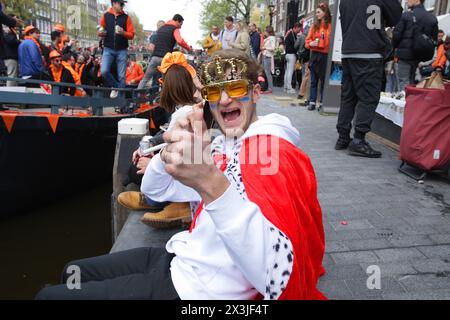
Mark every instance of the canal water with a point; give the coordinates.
(34, 247)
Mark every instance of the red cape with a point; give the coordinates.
(288, 199)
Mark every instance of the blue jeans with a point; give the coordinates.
(152, 73)
(120, 57)
(156, 204)
(314, 86)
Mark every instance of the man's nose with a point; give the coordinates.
(225, 99)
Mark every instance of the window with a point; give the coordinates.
(430, 4)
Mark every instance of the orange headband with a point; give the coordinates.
(177, 58)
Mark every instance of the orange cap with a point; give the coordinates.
(59, 27)
(54, 54)
(29, 28)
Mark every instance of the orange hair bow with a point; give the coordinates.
(177, 58)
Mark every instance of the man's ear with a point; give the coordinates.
(256, 92)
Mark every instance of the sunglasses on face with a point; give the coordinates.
(234, 89)
(57, 60)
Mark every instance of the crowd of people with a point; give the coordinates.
(23, 54)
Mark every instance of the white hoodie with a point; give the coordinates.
(233, 252)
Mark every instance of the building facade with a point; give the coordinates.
(50, 12)
(287, 12)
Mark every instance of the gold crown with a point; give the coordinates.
(214, 71)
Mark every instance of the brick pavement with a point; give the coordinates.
(392, 221)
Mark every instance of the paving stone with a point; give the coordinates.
(335, 289)
(410, 241)
(436, 251)
(335, 246)
(432, 266)
(351, 225)
(342, 235)
(440, 238)
(347, 258)
(367, 244)
(399, 254)
(359, 287)
(420, 282)
(392, 269)
(421, 295)
(344, 272)
(421, 221)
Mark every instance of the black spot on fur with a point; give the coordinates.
(286, 273)
(289, 257)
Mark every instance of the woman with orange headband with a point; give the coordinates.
(179, 91)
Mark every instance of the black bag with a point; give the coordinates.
(423, 45)
(304, 55)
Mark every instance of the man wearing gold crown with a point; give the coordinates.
(257, 232)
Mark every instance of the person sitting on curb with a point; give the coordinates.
(258, 231)
(178, 90)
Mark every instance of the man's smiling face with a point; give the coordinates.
(235, 115)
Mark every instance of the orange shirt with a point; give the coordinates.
(76, 77)
(441, 59)
(323, 34)
(134, 72)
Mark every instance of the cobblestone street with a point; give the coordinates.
(374, 215)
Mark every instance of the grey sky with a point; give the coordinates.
(151, 11)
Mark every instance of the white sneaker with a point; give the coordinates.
(114, 94)
(291, 91)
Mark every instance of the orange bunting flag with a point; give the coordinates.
(8, 119)
(53, 121)
(152, 124)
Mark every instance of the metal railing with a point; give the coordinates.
(98, 100)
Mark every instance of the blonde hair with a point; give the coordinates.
(243, 27)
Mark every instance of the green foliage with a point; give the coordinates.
(21, 8)
(140, 34)
(214, 13)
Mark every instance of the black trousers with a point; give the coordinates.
(361, 87)
(138, 274)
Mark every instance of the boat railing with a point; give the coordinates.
(98, 99)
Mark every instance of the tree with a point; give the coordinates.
(243, 7)
(214, 13)
(21, 8)
(139, 29)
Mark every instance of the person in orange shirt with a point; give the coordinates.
(441, 59)
(318, 41)
(134, 72)
(58, 73)
(69, 63)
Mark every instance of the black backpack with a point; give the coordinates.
(304, 54)
(423, 45)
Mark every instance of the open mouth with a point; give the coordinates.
(231, 115)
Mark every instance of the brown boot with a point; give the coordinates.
(173, 216)
(135, 201)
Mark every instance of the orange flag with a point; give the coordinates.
(53, 121)
(8, 119)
